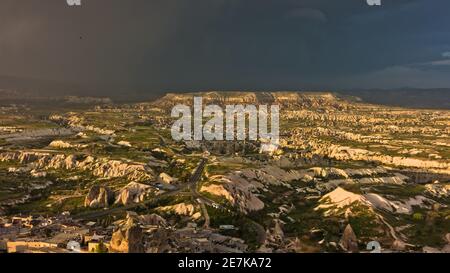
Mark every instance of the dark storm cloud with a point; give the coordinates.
(227, 44)
(98, 42)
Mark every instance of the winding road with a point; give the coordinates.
(91, 215)
(192, 185)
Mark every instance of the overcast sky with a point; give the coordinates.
(229, 44)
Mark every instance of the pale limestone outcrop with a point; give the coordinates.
(77, 123)
(165, 178)
(398, 206)
(241, 188)
(128, 237)
(335, 201)
(182, 209)
(34, 134)
(347, 153)
(152, 219)
(340, 199)
(397, 179)
(124, 143)
(59, 144)
(99, 197)
(440, 190)
(133, 193)
(348, 241)
(100, 167)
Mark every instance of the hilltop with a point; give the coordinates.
(283, 98)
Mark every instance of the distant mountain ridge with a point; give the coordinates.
(31, 89)
(283, 98)
(436, 98)
(38, 87)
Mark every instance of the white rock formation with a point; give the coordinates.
(182, 209)
(440, 190)
(133, 193)
(124, 143)
(101, 167)
(59, 144)
(165, 178)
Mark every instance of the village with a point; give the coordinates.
(134, 234)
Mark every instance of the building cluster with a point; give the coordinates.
(133, 234)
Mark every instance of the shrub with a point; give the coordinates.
(417, 216)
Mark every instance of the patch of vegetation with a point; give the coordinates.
(220, 217)
(224, 167)
(430, 228)
(364, 222)
(401, 191)
(3, 142)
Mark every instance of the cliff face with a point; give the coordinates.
(37, 133)
(349, 242)
(128, 237)
(99, 196)
(284, 99)
(218, 98)
(100, 167)
(347, 153)
(132, 193)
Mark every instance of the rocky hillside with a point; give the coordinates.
(286, 99)
(100, 167)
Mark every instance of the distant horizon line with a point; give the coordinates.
(127, 87)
